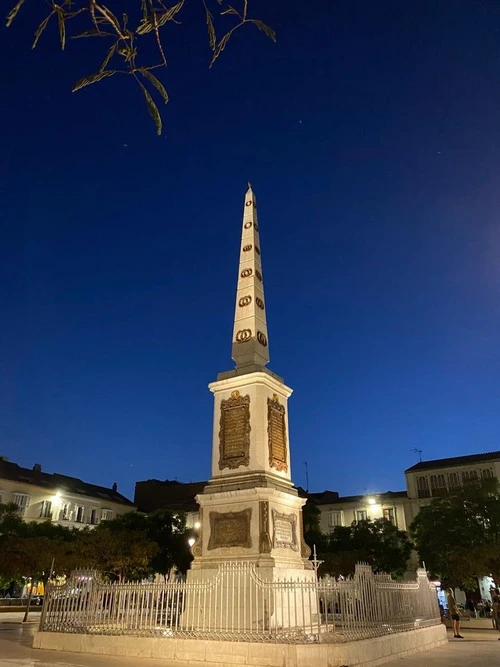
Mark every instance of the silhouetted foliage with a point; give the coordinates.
(134, 42)
(376, 542)
(458, 535)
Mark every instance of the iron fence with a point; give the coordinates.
(236, 603)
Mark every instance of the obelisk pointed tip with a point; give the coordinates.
(249, 185)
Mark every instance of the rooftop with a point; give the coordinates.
(455, 461)
(55, 482)
(154, 494)
(333, 498)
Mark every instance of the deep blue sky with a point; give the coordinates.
(371, 134)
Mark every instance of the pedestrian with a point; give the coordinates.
(495, 611)
(469, 605)
(453, 611)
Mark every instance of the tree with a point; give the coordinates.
(168, 531)
(117, 552)
(313, 536)
(458, 535)
(376, 542)
(137, 545)
(10, 522)
(134, 44)
(27, 548)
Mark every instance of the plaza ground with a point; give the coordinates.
(479, 648)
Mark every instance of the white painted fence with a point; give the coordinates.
(237, 604)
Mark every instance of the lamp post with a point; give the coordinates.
(314, 560)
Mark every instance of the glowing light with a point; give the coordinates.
(371, 501)
(191, 541)
(197, 525)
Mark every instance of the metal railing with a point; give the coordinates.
(237, 604)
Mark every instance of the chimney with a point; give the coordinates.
(114, 487)
(37, 467)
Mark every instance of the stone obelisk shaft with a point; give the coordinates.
(250, 347)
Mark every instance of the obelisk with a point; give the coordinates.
(250, 510)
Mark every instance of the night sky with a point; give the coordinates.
(371, 135)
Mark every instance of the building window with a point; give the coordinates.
(79, 514)
(485, 474)
(469, 476)
(438, 485)
(334, 519)
(453, 480)
(46, 510)
(390, 515)
(423, 487)
(22, 501)
(64, 512)
(93, 517)
(106, 515)
(361, 515)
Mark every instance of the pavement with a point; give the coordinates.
(479, 648)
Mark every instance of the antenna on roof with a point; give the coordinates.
(415, 450)
(307, 477)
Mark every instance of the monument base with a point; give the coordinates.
(179, 652)
(241, 597)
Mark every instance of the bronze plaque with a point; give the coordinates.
(230, 529)
(284, 530)
(234, 434)
(276, 431)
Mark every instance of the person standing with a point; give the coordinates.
(453, 611)
(495, 611)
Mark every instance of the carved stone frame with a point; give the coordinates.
(274, 406)
(265, 545)
(244, 517)
(292, 520)
(235, 402)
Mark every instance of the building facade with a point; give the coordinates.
(344, 510)
(430, 479)
(63, 500)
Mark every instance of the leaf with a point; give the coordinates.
(13, 12)
(62, 27)
(112, 18)
(168, 16)
(221, 46)
(153, 109)
(146, 25)
(265, 28)
(127, 53)
(211, 30)
(156, 83)
(111, 52)
(40, 29)
(230, 10)
(93, 78)
(93, 33)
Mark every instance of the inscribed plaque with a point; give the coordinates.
(230, 529)
(276, 431)
(234, 434)
(284, 530)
